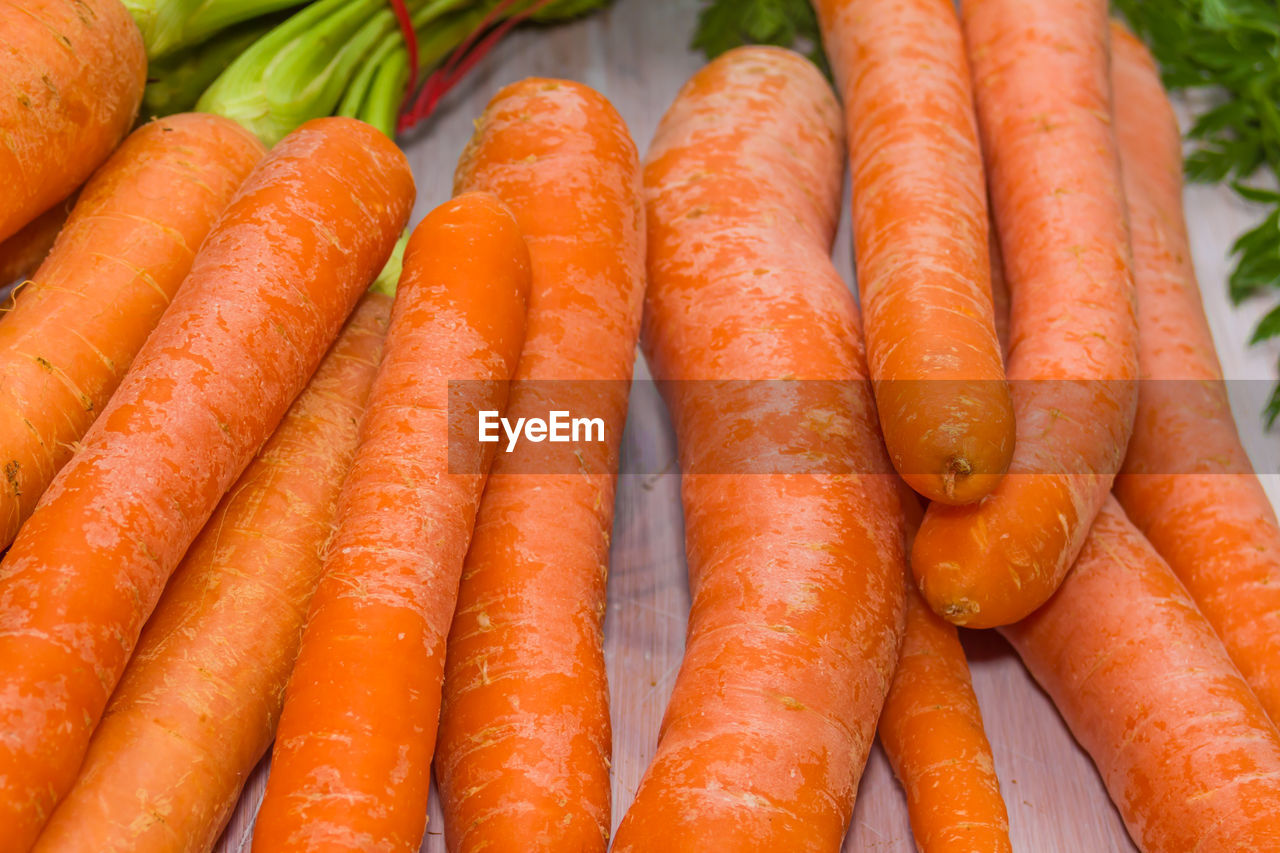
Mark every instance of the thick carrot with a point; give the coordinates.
(27, 249)
(73, 73)
(1043, 95)
(352, 762)
(931, 730)
(920, 234)
(1187, 482)
(267, 294)
(1186, 751)
(198, 703)
(797, 579)
(77, 325)
(523, 758)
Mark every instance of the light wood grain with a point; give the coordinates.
(636, 54)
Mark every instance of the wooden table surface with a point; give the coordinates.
(636, 54)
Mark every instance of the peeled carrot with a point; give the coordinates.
(1186, 751)
(198, 702)
(1043, 96)
(523, 756)
(797, 578)
(73, 73)
(77, 325)
(352, 761)
(920, 236)
(267, 294)
(25, 250)
(1187, 482)
(931, 730)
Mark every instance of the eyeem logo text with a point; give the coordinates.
(558, 428)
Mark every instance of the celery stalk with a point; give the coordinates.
(346, 56)
(378, 90)
(176, 82)
(300, 69)
(168, 26)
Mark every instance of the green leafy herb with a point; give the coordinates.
(726, 24)
(1231, 48)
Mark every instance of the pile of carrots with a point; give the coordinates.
(244, 503)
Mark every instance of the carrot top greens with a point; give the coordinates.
(726, 24)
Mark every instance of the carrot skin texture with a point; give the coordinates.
(523, 755)
(1185, 749)
(1187, 482)
(796, 596)
(74, 71)
(267, 294)
(78, 323)
(352, 761)
(1043, 96)
(27, 249)
(920, 233)
(931, 729)
(198, 703)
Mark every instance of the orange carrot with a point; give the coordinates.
(999, 294)
(920, 234)
(1187, 482)
(352, 761)
(1043, 96)
(797, 579)
(198, 703)
(73, 73)
(266, 295)
(523, 758)
(931, 730)
(1187, 753)
(27, 249)
(89, 307)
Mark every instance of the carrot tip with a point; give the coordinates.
(957, 469)
(960, 611)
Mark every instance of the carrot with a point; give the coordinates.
(797, 578)
(198, 702)
(88, 309)
(1187, 482)
(931, 730)
(1040, 78)
(999, 294)
(74, 71)
(1187, 753)
(266, 295)
(25, 250)
(920, 237)
(352, 761)
(523, 757)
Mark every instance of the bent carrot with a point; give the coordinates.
(1040, 77)
(1187, 482)
(27, 249)
(74, 71)
(797, 579)
(1187, 753)
(920, 237)
(931, 729)
(523, 757)
(198, 702)
(88, 309)
(352, 762)
(266, 295)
